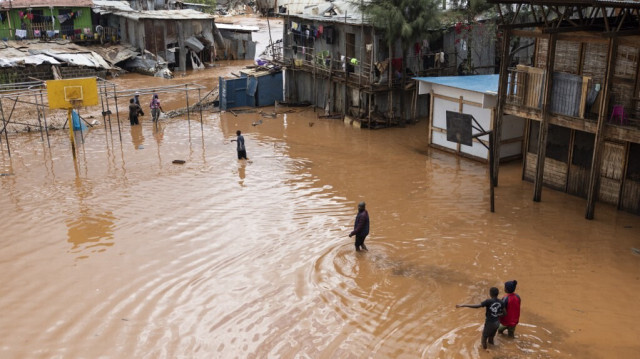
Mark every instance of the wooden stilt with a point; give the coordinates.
(592, 192)
(502, 98)
(544, 126)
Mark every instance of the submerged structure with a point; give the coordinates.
(580, 98)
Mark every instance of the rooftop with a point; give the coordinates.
(20, 4)
(477, 83)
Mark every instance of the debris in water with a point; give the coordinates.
(140, 147)
(635, 250)
(6, 174)
(179, 162)
(256, 123)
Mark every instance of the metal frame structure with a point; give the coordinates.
(34, 94)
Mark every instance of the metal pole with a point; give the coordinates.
(186, 91)
(71, 136)
(200, 108)
(4, 122)
(492, 178)
(44, 115)
(104, 114)
(39, 122)
(115, 95)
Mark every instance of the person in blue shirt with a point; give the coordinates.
(242, 151)
(361, 227)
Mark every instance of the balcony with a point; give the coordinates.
(45, 32)
(574, 99)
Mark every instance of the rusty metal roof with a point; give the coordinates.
(186, 14)
(23, 4)
(595, 3)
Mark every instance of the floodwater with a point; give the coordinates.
(122, 254)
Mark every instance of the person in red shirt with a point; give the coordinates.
(511, 303)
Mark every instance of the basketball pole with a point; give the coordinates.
(71, 136)
(492, 179)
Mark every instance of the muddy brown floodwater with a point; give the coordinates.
(126, 255)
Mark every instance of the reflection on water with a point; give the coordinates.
(224, 258)
(137, 138)
(87, 230)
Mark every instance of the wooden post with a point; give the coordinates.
(460, 108)
(592, 192)
(502, 98)
(430, 121)
(544, 125)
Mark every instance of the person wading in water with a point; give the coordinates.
(242, 151)
(361, 227)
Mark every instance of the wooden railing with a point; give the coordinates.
(571, 95)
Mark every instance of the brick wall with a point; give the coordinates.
(43, 72)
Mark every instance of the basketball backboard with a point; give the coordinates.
(459, 128)
(72, 93)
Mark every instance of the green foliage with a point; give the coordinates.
(407, 20)
(212, 5)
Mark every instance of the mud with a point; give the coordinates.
(125, 254)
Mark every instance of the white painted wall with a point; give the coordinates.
(512, 127)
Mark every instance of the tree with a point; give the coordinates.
(404, 20)
(468, 28)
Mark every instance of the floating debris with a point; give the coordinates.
(256, 123)
(178, 162)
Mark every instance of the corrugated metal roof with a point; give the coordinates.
(598, 3)
(186, 14)
(221, 26)
(122, 8)
(14, 53)
(21, 4)
(345, 11)
(477, 83)
(108, 6)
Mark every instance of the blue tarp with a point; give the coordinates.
(78, 125)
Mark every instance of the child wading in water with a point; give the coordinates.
(494, 310)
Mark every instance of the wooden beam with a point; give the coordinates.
(457, 99)
(430, 123)
(598, 147)
(521, 25)
(544, 125)
(622, 33)
(565, 29)
(502, 97)
(529, 33)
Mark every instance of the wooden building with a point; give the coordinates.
(336, 61)
(181, 37)
(46, 20)
(580, 97)
(475, 95)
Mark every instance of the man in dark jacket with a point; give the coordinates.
(361, 227)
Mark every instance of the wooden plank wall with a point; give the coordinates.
(578, 181)
(531, 161)
(595, 61)
(555, 172)
(611, 172)
(569, 62)
(631, 196)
